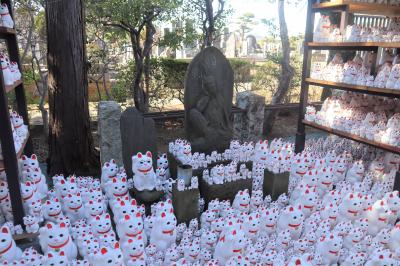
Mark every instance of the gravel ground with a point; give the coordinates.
(285, 127)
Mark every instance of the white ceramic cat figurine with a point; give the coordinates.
(163, 233)
(5, 67)
(9, 251)
(56, 237)
(144, 176)
(6, 19)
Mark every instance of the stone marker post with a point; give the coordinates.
(109, 115)
(138, 134)
(248, 126)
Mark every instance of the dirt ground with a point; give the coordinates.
(167, 131)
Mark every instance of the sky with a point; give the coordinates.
(295, 15)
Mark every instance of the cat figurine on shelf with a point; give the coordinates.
(323, 29)
(142, 167)
(29, 162)
(7, 75)
(6, 19)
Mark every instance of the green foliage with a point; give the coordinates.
(246, 23)
(194, 12)
(168, 80)
(266, 77)
(128, 13)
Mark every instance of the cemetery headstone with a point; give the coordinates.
(248, 126)
(109, 115)
(208, 101)
(138, 134)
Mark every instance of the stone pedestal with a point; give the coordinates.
(186, 204)
(275, 184)
(146, 197)
(248, 126)
(109, 115)
(173, 166)
(226, 191)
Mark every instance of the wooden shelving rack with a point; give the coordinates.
(345, 8)
(10, 161)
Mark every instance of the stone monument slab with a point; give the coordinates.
(208, 101)
(138, 134)
(109, 115)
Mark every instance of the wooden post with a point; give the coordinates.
(300, 135)
(397, 182)
(344, 16)
(6, 137)
(9, 156)
(13, 51)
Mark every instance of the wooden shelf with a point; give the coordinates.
(350, 136)
(19, 153)
(25, 236)
(358, 46)
(11, 87)
(4, 30)
(358, 7)
(355, 88)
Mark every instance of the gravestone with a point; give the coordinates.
(138, 134)
(208, 101)
(248, 126)
(109, 115)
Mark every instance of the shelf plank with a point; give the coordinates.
(19, 153)
(12, 87)
(350, 136)
(4, 30)
(355, 88)
(358, 46)
(25, 236)
(358, 7)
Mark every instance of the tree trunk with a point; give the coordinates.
(211, 27)
(139, 95)
(148, 44)
(105, 86)
(71, 149)
(287, 71)
(98, 88)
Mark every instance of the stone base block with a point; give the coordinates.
(146, 197)
(275, 184)
(226, 191)
(186, 204)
